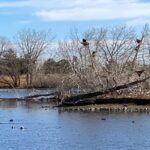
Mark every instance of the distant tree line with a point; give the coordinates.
(52, 66)
(21, 57)
(13, 67)
(97, 59)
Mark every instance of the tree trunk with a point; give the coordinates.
(75, 99)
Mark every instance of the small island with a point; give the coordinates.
(102, 66)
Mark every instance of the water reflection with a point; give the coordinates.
(46, 128)
(18, 93)
(8, 104)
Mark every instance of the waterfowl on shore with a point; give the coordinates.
(85, 43)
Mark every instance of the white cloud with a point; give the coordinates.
(97, 10)
(83, 9)
(4, 4)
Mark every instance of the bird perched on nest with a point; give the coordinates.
(93, 53)
(138, 41)
(139, 72)
(85, 43)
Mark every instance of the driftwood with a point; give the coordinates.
(136, 101)
(40, 95)
(83, 98)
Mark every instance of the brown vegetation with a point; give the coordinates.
(96, 61)
(113, 60)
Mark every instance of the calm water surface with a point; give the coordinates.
(48, 129)
(18, 93)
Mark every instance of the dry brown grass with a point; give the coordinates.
(44, 80)
(8, 79)
(53, 80)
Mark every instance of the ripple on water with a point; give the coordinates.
(49, 129)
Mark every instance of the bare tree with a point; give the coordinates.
(103, 58)
(5, 44)
(32, 43)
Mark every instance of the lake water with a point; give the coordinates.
(48, 129)
(20, 93)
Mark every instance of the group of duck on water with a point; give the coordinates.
(21, 128)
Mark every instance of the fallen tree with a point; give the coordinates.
(106, 61)
(88, 97)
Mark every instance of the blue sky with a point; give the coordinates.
(62, 15)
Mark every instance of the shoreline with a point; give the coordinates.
(123, 100)
(129, 108)
(27, 87)
(101, 107)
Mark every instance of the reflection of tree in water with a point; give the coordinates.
(8, 104)
(26, 105)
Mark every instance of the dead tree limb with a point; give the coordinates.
(76, 98)
(40, 95)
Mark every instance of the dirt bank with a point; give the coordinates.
(108, 108)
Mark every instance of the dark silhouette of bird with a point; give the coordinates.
(83, 40)
(22, 128)
(13, 127)
(93, 53)
(11, 120)
(138, 41)
(139, 72)
(85, 43)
